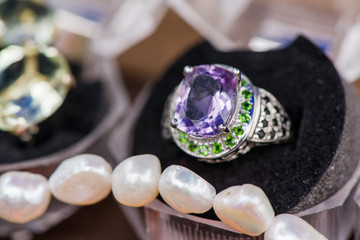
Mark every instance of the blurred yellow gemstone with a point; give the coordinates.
(33, 84)
(22, 20)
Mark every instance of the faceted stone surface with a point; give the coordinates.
(244, 117)
(206, 99)
(217, 148)
(243, 82)
(246, 94)
(204, 150)
(33, 85)
(192, 146)
(246, 106)
(182, 138)
(238, 130)
(230, 141)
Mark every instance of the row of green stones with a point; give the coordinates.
(230, 141)
(246, 105)
(216, 147)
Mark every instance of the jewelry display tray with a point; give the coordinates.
(87, 116)
(313, 176)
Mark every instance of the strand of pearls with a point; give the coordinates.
(86, 179)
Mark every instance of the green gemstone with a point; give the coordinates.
(217, 148)
(192, 146)
(204, 150)
(246, 94)
(230, 141)
(243, 82)
(238, 130)
(246, 106)
(244, 118)
(183, 138)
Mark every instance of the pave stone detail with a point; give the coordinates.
(204, 150)
(217, 148)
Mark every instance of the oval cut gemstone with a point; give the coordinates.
(33, 85)
(206, 99)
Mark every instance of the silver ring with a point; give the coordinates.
(216, 113)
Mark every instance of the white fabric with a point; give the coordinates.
(113, 25)
(133, 21)
(348, 59)
(213, 19)
(117, 25)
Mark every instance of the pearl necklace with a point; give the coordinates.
(87, 179)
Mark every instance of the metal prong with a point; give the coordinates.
(174, 123)
(33, 129)
(223, 128)
(25, 132)
(69, 81)
(188, 69)
(28, 134)
(237, 73)
(26, 137)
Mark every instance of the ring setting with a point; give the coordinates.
(216, 113)
(34, 82)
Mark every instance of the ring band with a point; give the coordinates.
(216, 113)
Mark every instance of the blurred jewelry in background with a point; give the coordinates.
(22, 21)
(78, 125)
(34, 82)
(34, 78)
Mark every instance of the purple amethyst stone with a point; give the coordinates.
(206, 99)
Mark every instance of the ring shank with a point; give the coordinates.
(273, 125)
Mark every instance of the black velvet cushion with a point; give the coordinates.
(77, 116)
(304, 81)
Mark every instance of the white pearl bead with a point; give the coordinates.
(135, 180)
(82, 180)
(290, 227)
(185, 191)
(24, 196)
(245, 208)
